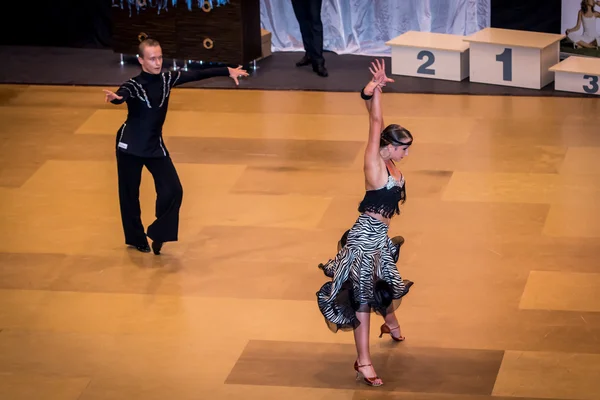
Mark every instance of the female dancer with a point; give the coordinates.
(586, 17)
(364, 274)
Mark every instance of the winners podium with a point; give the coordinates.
(496, 57)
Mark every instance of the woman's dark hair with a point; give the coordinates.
(396, 136)
(584, 6)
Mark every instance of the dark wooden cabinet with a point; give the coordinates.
(229, 33)
(128, 25)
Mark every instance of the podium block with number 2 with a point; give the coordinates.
(430, 55)
(513, 58)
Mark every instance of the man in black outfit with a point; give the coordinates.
(308, 14)
(139, 143)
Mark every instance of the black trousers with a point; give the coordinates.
(308, 14)
(168, 200)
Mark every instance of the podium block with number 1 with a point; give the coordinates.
(513, 58)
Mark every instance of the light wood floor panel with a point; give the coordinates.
(549, 375)
(555, 290)
(575, 219)
(501, 242)
(582, 160)
(46, 222)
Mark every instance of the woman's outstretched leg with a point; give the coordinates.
(361, 338)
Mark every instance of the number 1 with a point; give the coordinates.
(506, 59)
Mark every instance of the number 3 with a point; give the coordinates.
(423, 69)
(593, 85)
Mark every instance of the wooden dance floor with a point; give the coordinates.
(502, 241)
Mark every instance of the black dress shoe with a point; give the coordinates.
(156, 246)
(304, 61)
(144, 249)
(320, 70)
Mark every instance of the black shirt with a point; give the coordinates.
(385, 200)
(147, 97)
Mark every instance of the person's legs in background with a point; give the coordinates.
(308, 14)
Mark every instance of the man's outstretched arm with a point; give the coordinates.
(182, 77)
(119, 97)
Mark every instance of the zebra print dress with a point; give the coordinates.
(364, 276)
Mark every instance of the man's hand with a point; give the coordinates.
(236, 73)
(110, 96)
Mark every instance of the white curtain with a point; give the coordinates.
(363, 26)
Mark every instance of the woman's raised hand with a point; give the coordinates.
(378, 70)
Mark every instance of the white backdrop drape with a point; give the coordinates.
(363, 26)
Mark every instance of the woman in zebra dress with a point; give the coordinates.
(364, 276)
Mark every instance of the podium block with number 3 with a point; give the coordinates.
(513, 58)
(578, 75)
(430, 55)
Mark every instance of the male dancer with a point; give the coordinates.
(139, 143)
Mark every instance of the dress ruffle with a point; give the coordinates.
(364, 276)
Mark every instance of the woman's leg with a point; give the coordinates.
(361, 337)
(587, 45)
(392, 322)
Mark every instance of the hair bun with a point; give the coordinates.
(143, 36)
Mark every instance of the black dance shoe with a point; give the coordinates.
(407, 284)
(320, 70)
(398, 241)
(304, 61)
(156, 246)
(144, 248)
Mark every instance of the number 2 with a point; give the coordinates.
(423, 69)
(506, 59)
(593, 84)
